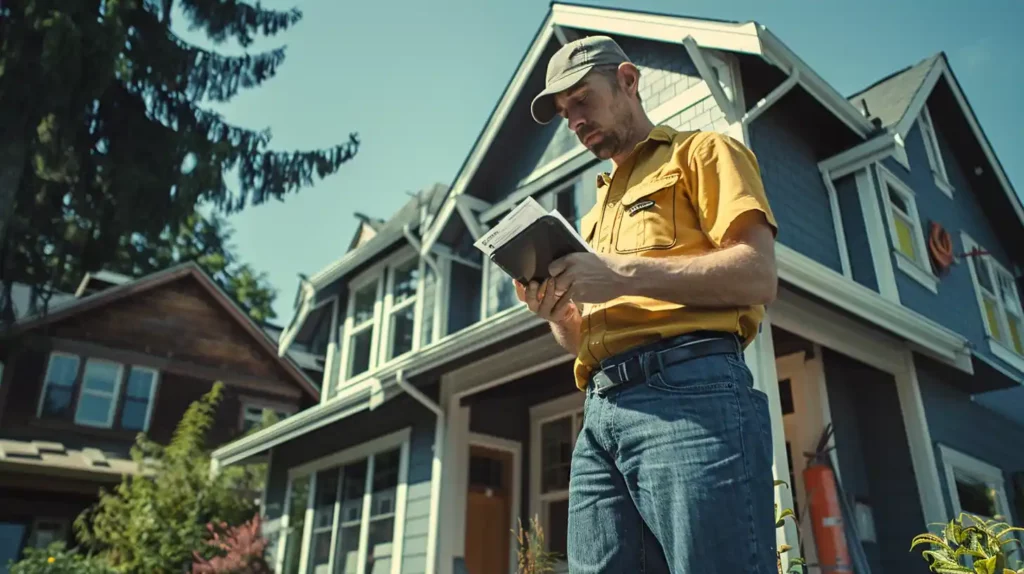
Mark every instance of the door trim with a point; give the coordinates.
(516, 450)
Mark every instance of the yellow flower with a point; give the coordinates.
(50, 560)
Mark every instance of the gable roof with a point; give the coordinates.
(190, 269)
(888, 99)
(749, 38)
(898, 99)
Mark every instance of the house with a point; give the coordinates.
(449, 412)
(118, 358)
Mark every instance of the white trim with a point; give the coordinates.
(935, 161)
(858, 157)
(362, 450)
(1001, 350)
(114, 395)
(1006, 354)
(837, 224)
(719, 35)
(816, 372)
(899, 152)
(933, 339)
(919, 269)
(992, 476)
(516, 450)
(708, 75)
(919, 438)
(875, 227)
(46, 378)
(153, 387)
(307, 525)
(941, 70)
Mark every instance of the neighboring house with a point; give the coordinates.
(449, 412)
(119, 358)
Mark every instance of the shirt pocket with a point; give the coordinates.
(647, 219)
(588, 224)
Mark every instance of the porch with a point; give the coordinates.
(513, 418)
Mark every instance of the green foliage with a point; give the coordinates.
(970, 544)
(57, 559)
(796, 565)
(106, 135)
(154, 522)
(532, 558)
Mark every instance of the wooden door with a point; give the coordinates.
(488, 511)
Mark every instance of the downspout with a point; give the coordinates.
(435, 470)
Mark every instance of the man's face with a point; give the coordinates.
(597, 111)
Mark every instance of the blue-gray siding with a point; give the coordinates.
(965, 426)
(955, 306)
(394, 415)
(874, 460)
(862, 265)
(782, 142)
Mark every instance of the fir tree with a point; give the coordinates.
(104, 134)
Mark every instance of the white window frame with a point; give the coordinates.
(152, 393)
(934, 152)
(391, 309)
(113, 395)
(374, 277)
(264, 404)
(956, 463)
(368, 450)
(1003, 351)
(566, 406)
(46, 378)
(918, 269)
(62, 529)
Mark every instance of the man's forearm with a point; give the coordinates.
(567, 334)
(734, 276)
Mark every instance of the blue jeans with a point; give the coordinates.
(673, 474)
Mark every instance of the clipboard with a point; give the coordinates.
(528, 254)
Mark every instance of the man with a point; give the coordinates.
(672, 470)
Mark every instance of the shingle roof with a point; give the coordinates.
(889, 98)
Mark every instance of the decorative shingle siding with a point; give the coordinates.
(705, 115)
(862, 266)
(955, 306)
(796, 192)
(961, 424)
(396, 414)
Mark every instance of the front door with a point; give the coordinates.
(488, 511)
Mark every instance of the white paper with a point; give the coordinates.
(521, 217)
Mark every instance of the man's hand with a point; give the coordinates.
(546, 303)
(589, 278)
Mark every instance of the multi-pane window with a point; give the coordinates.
(401, 308)
(905, 229)
(354, 517)
(98, 393)
(361, 328)
(975, 487)
(998, 298)
(253, 415)
(557, 440)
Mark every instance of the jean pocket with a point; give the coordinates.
(759, 402)
(701, 375)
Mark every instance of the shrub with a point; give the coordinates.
(977, 548)
(237, 550)
(57, 559)
(533, 559)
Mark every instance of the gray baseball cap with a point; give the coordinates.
(569, 65)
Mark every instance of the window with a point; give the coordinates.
(974, 487)
(253, 414)
(101, 393)
(46, 531)
(999, 303)
(357, 500)
(905, 230)
(386, 318)
(555, 428)
(934, 153)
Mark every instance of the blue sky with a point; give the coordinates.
(417, 81)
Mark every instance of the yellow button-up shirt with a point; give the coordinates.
(676, 194)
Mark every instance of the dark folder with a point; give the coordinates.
(526, 256)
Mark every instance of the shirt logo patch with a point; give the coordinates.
(640, 206)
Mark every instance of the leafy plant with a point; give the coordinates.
(532, 557)
(796, 565)
(57, 559)
(977, 548)
(239, 550)
(154, 521)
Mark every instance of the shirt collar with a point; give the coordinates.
(662, 134)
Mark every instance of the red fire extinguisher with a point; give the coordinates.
(825, 511)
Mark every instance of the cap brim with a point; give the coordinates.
(543, 106)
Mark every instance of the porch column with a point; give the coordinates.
(760, 358)
(452, 527)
